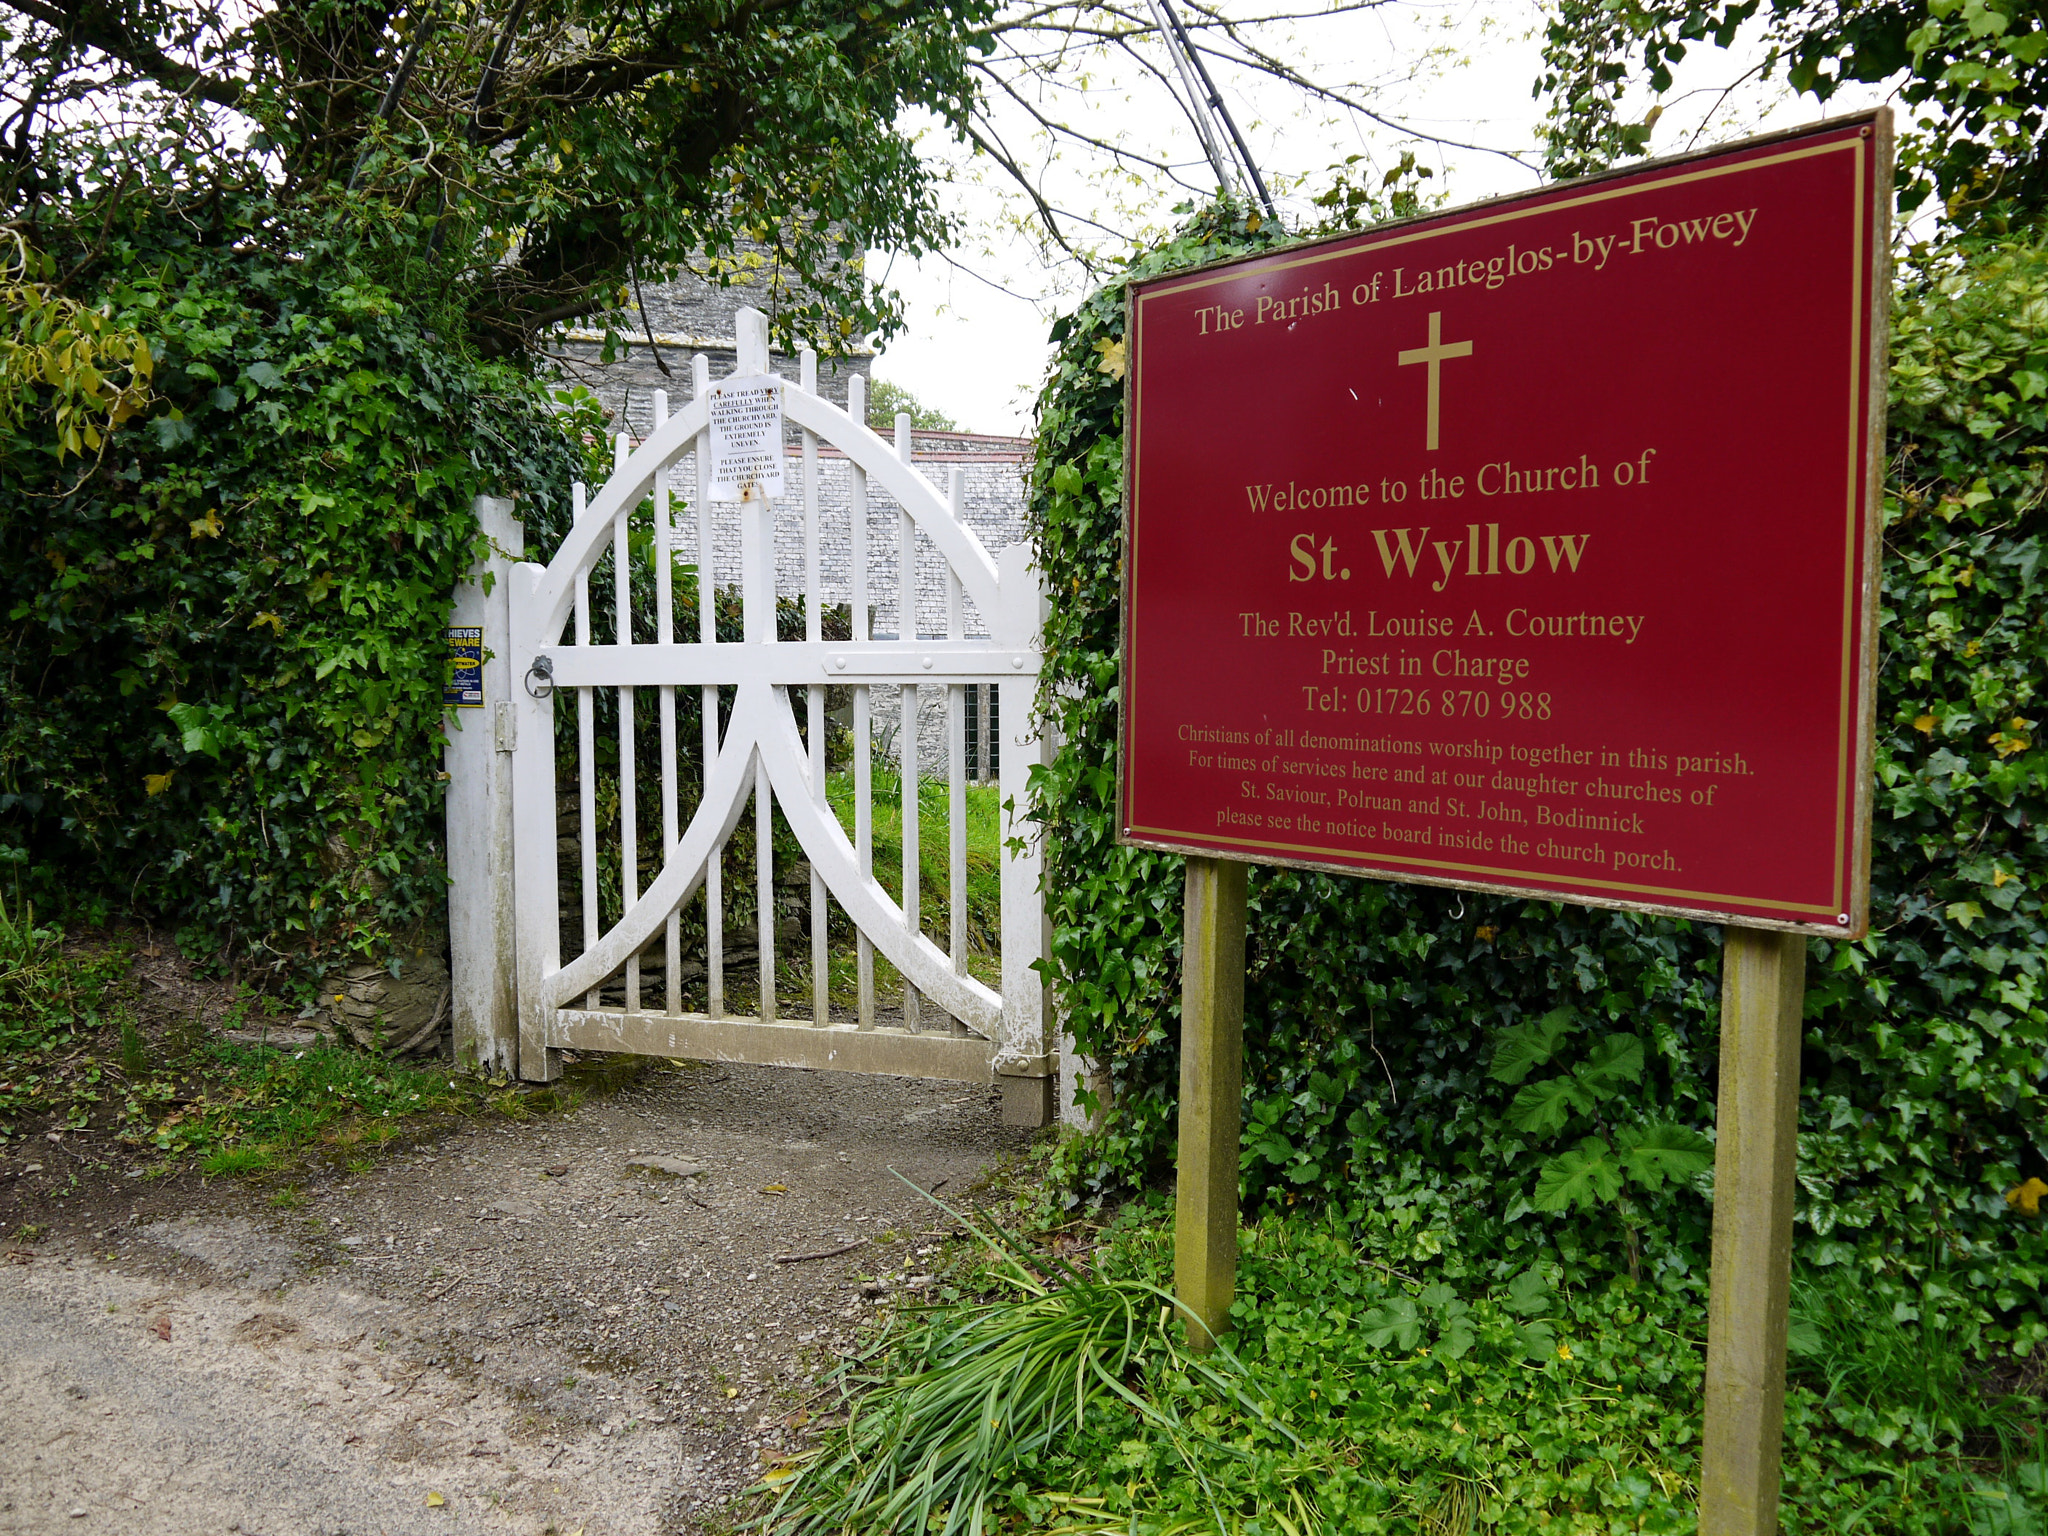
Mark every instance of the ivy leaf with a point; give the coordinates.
(1529, 1293)
(1457, 1335)
(1586, 1176)
(1664, 1150)
(1616, 1060)
(1522, 1049)
(1542, 1108)
(1538, 1339)
(197, 726)
(1395, 1322)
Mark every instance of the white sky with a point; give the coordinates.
(975, 346)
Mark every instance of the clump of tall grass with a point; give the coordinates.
(942, 1413)
(27, 952)
(1909, 1383)
(134, 1048)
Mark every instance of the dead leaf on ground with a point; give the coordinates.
(163, 1329)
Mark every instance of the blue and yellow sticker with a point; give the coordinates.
(464, 688)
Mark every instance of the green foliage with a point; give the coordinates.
(506, 166)
(74, 1057)
(1353, 199)
(1539, 1079)
(1975, 84)
(1521, 1048)
(259, 1109)
(61, 361)
(53, 1007)
(939, 1412)
(220, 643)
(886, 399)
(1355, 1396)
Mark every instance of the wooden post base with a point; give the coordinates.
(1763, 986)
(1211, 1088)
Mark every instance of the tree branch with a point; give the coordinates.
(105, 33)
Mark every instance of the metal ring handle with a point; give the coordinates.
(543, 668)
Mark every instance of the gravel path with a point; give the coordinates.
(515, 1330)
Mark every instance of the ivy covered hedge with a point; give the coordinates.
(1450, 1067)
(221, 651)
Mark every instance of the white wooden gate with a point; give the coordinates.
(952, 1025)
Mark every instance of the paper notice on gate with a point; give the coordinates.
(746, 437)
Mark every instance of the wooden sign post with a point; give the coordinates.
(1763, 982)
(1529, 548)
(1211, 1096)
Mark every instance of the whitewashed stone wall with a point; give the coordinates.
(691, 313)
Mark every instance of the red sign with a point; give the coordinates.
(1529, 547)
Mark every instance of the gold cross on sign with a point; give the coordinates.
(1434, 355)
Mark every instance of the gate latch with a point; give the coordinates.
(543, 668)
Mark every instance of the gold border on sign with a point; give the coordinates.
(1861, 486)
(1483, 869)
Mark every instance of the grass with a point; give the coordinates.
(984, 850)
(940, 1416)
(1354, 1398)
(75, 1057)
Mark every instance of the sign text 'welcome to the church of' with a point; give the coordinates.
(1528, 547)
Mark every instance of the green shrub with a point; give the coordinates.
(221, 664)
(1376, 1014)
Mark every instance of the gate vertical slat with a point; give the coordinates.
(586, 754)
(757, 599)
(821, 1011)
(707, 634)
(764, 885)
(956, 754)
(863, 763)
(665, 634)
(906, 716)
(629, 808)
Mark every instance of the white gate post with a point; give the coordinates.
(1024, 1066)
(533, 831)
(479, 810)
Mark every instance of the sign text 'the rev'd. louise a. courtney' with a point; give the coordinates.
(1528, 547)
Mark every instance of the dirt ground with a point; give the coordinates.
(515, 1329)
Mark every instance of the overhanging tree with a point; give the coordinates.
(1973, 75)
(509, 165)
